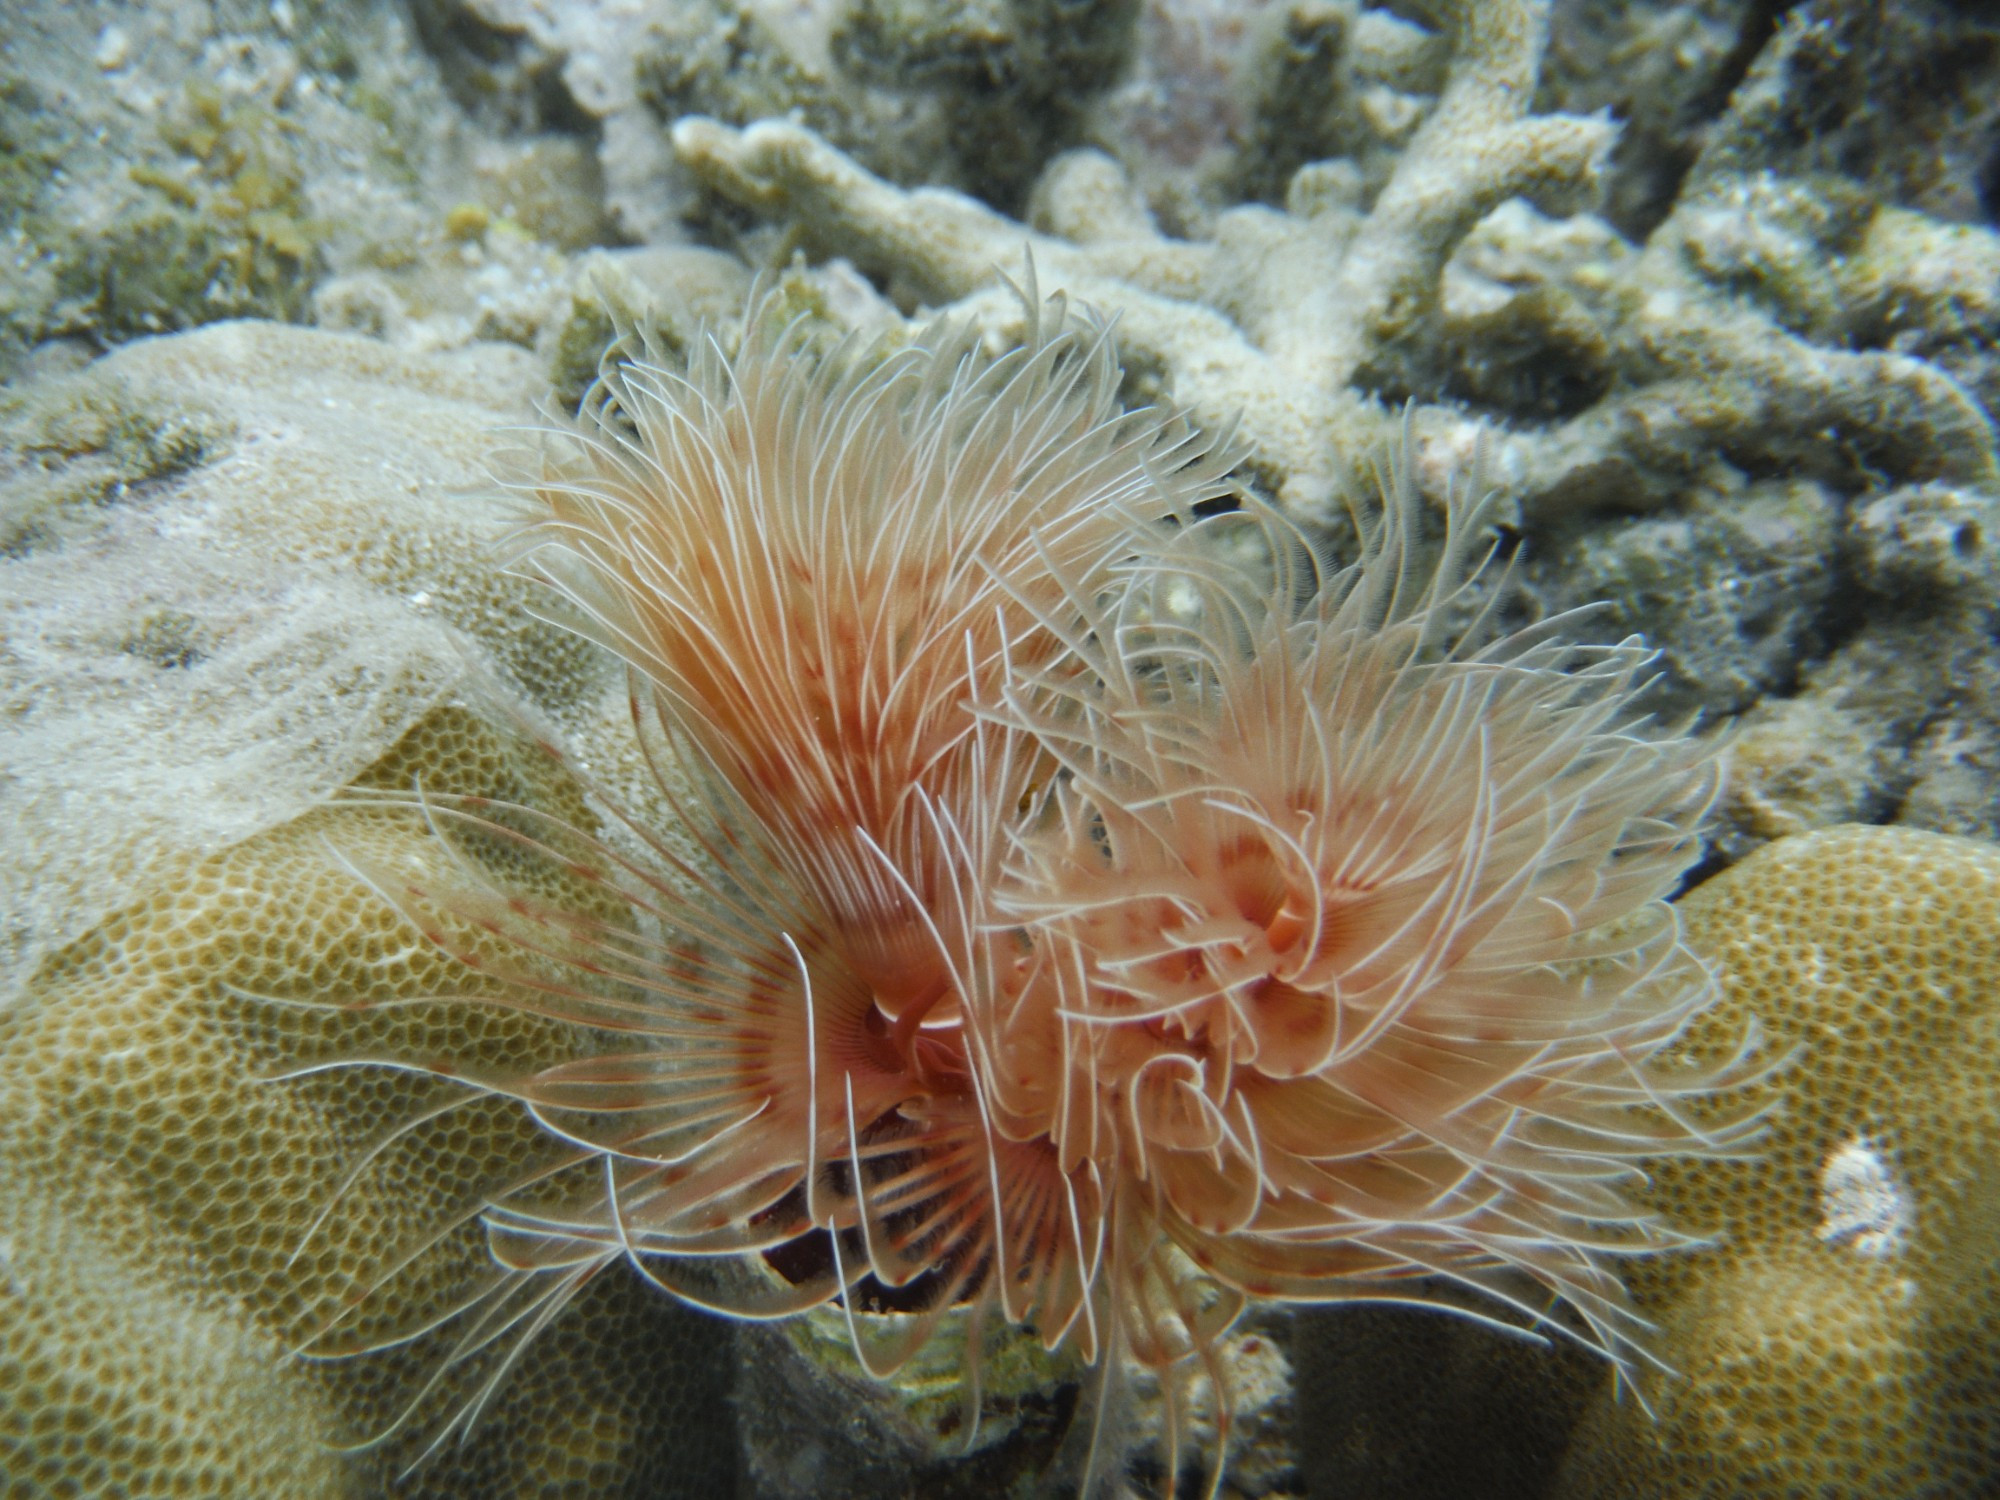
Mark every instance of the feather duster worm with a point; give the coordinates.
(1056, 920)
(1353, 965)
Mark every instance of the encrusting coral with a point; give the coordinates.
(1080, 926)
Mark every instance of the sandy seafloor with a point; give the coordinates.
(1707, 294)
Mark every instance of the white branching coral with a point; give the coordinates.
(1277, 319)
(1277, 346)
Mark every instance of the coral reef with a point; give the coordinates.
(1843, 1337)
(1706, 289)
(1088, 931)
(1014, 79)
(1275, 320)
(1780, 355)
(1265, 325)
(174, 165)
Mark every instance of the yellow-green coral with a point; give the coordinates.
(159, 1191)
(1843, 1336)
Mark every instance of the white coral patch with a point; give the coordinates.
(1861, 1204)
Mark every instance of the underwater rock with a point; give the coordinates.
(1013, 79)
(166, 168)
(1899, 99)
(813, 1422)
(1862, 736)
(673, 291)
(1733, 589)
(1410, 1404)
(1665, 69)
(172, 166)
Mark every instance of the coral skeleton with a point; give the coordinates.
(1067, 909)
(1276, 318)
(1311, 296)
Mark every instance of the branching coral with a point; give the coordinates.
(1288, 319)
(1275, 346)
(1271, 321)
(1056, 918)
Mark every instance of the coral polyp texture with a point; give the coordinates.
(1840, 1338)
(178, 1223)
(1053, 912)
